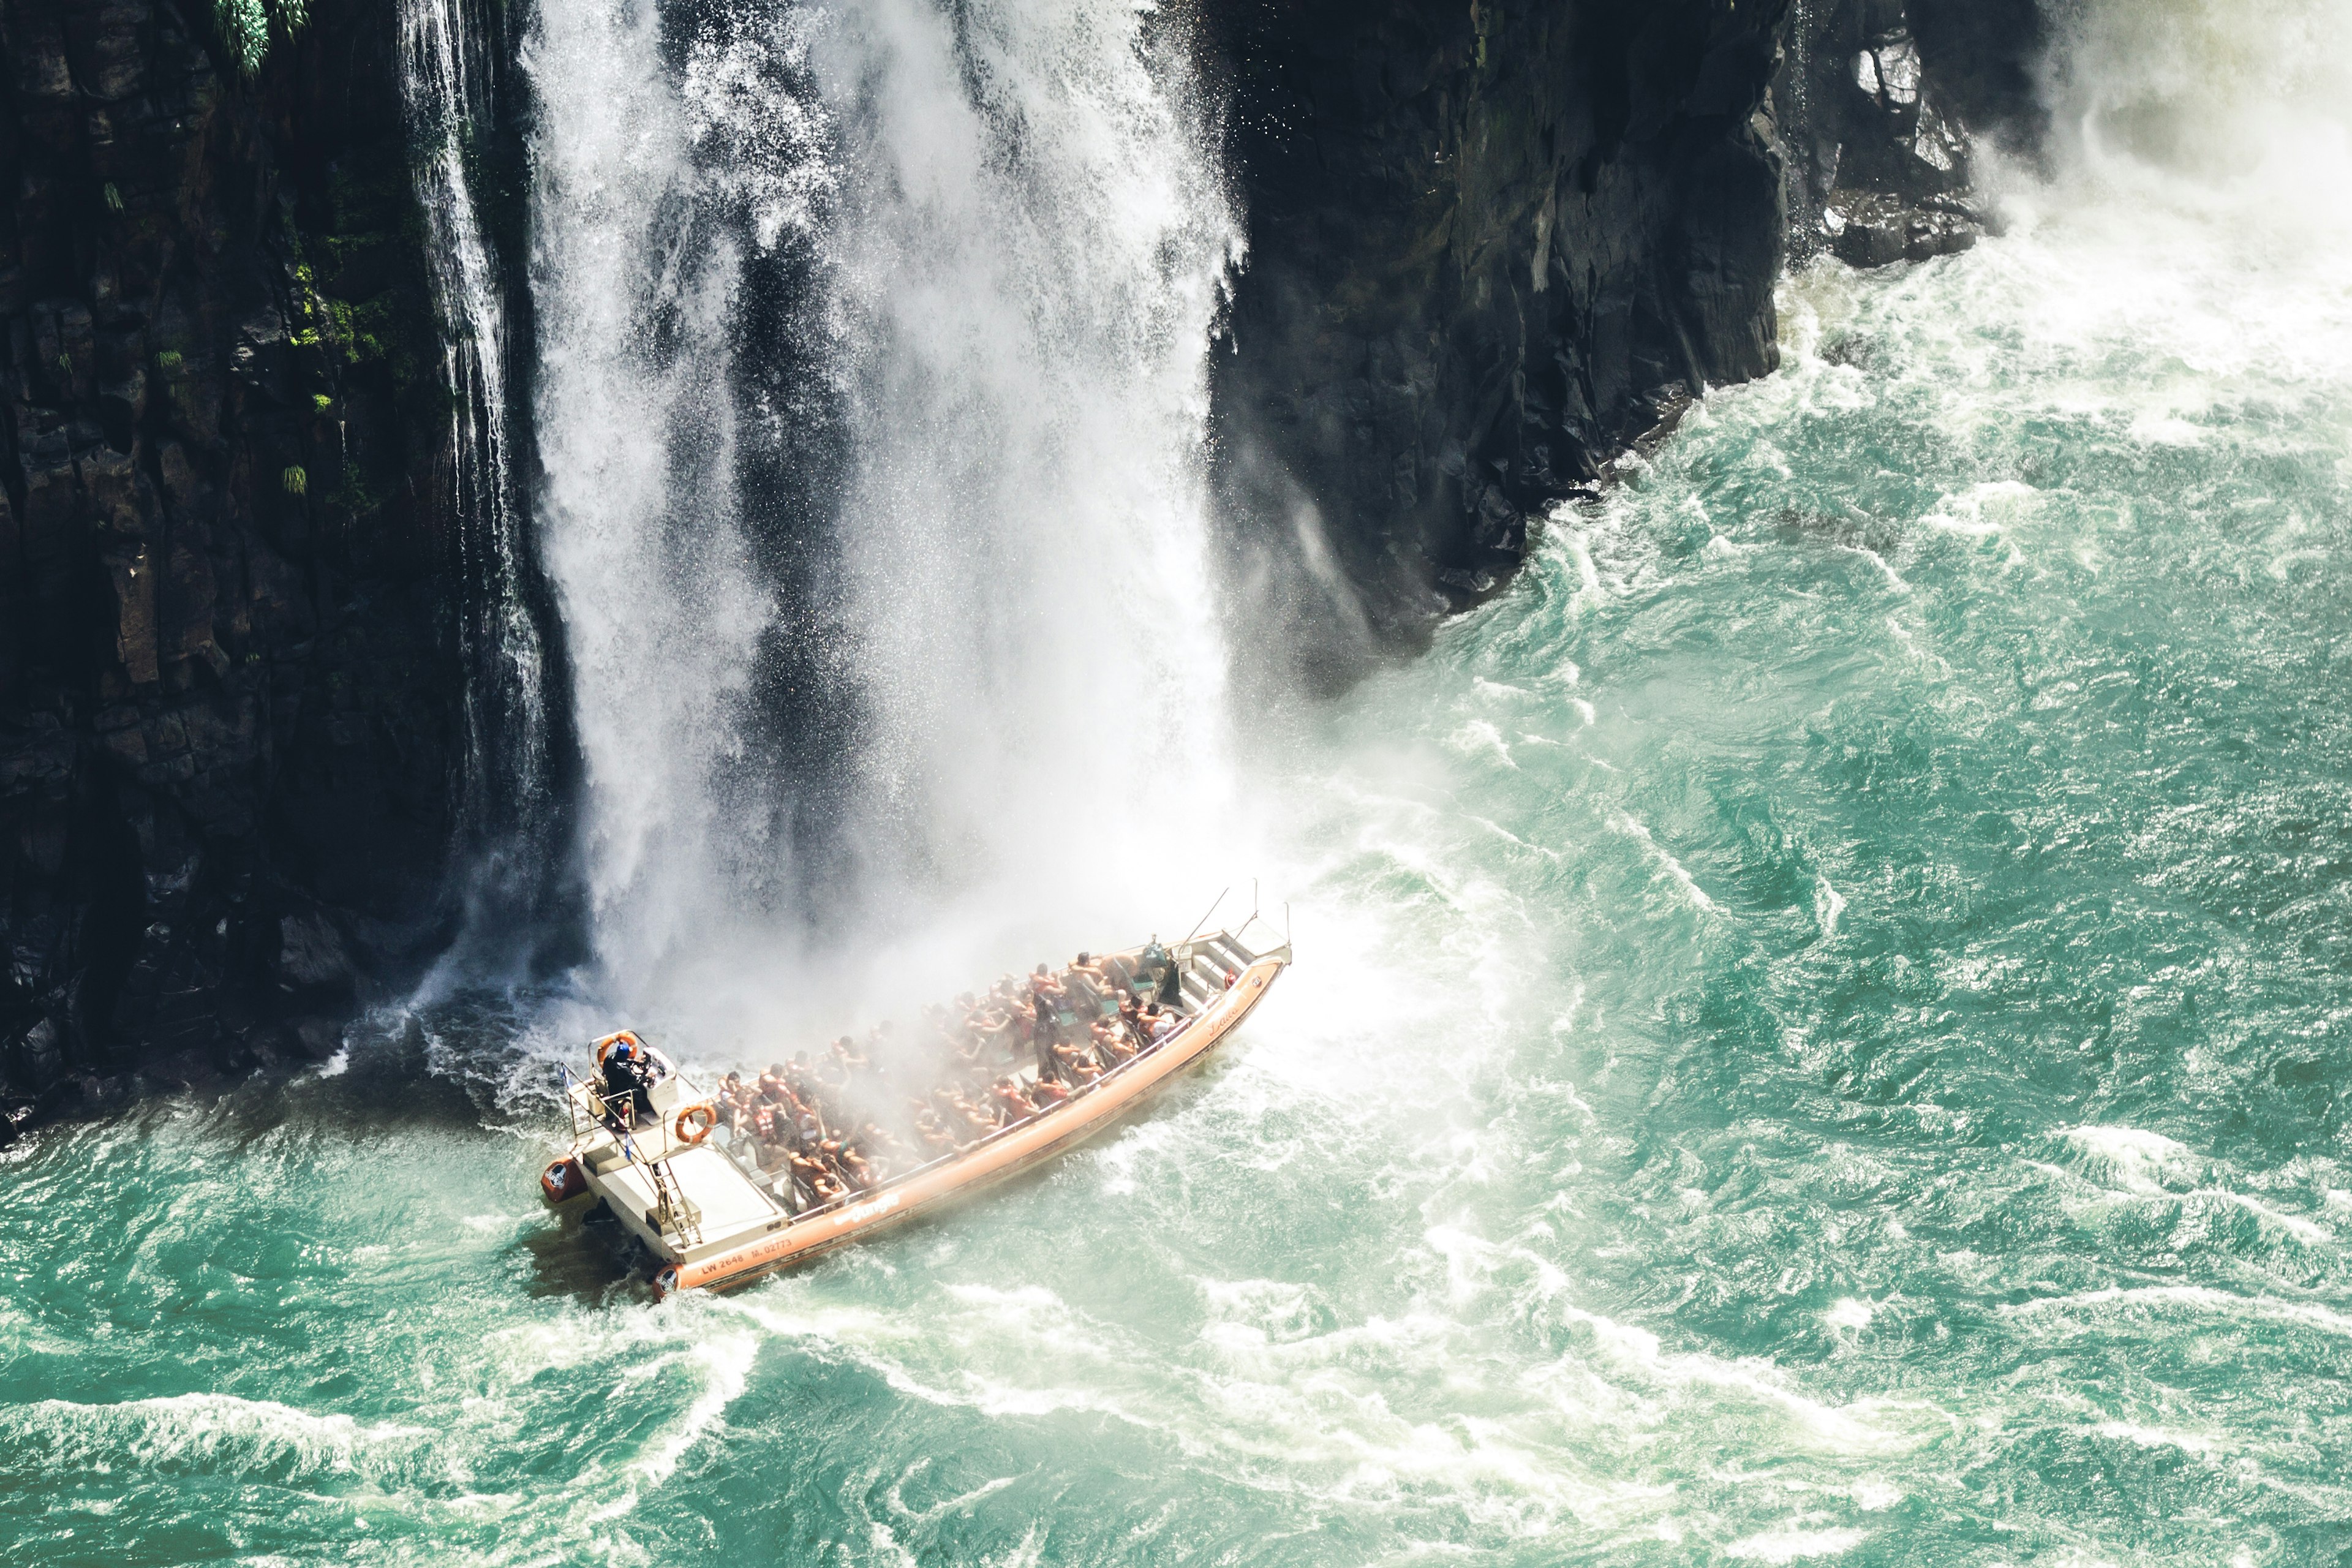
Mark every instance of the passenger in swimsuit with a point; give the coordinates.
(1074, 1066)
(1111, 1043)
(827, 1186)
(1089, 985)
(1048, 1094)
(937, 1138)
(981, 1119)
(1012, 1104)
(882, 1147)
(1131, 1019)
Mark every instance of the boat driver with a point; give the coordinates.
(630, 1074)
(1158, 964)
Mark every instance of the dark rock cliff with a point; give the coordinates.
(1490, 243)
(1884, 106)
(228, 690)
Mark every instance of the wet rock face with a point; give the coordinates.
(1883, 106)
(1489, 244)
(226, 694)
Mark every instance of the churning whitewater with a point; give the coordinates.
(1817, 1025)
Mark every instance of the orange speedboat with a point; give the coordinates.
(712, 1218)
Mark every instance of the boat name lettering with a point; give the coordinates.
(859, 1213)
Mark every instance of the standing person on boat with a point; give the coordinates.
(1046, 997)
(1161, 966)
(628, 1074)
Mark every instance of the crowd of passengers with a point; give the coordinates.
(816, 1119)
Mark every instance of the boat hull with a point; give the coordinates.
(997, 1159)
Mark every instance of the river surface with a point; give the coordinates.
(1819, 1037)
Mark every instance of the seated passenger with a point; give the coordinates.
(937, 1139)
(1012, 1104)
(1089, 988)
(818, 1177)
(1048, 1094)
(981, 1119)
(1112, 1044)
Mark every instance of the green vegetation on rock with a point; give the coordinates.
(244, 26)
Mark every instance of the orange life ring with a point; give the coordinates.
(604, 1047)
(705, 1112)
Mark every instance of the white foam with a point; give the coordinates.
(219, 1430)
(1627, 823)
(1589, 590)
(1789, 1545)
(723, 1365)
(2309, 1232)
(1849, 1312)
(2133, 1159)
(2154, 1436)
(1828, 905)
(2190, 1298)
(1479, 738)
(1894, 578)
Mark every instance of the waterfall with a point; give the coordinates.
(872, 403)
(2243, 103)
(503, 799)
(1027, 293)
(1792, 99)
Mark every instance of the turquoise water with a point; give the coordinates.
(1820, 1037)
